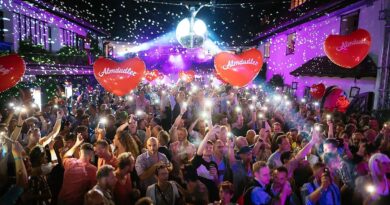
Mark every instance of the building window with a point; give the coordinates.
(32, 30)
(68, 38)
(290, 43)
(296, 3)
(267, 46)
(349, 23)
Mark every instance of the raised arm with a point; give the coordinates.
(70, 152)
(330, 129)
(191, 128)
(16, 132)
(21, 172)
(203, 143)
(306, 149)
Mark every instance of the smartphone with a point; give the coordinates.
(263, 124)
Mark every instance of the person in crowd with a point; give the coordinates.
(226, 193)
(147, 163)
(164, 192)
(102, 151)
(256, 192)
(322, 190)
(283, 146)
(374, 187)
(124, 142)
(125, 189)
(101, 193)
(206, 169)
(280, 183)
(79, 175)
(16, 191)
(163, 140)
(38, 191)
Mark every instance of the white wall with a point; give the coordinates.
(309, 44)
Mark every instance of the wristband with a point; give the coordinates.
(18, 125)
(17, 158)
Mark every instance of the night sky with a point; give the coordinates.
(229, 22)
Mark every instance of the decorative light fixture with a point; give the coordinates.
(191, 32)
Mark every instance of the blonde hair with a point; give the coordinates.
(373, 165)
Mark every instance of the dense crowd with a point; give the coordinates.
(190, 144)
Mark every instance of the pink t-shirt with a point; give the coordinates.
(79, 178)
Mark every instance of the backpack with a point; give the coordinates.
(245, 198)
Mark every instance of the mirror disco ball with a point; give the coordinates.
(191, 36)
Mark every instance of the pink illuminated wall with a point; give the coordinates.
(309, 44)
(14, 8)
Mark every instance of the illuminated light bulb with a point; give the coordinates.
(17, 108)
(277, 98)
(103, 120)
(208, 103)
(203, 115)
(23, 109)
(370, 189)
(139, 112)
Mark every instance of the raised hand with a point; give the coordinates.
(79, 140)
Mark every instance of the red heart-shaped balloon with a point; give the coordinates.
(349, 50)
(317, 91)
(119, 77)
(239, 70)
(151, 75)
(219, 77)
(12, 68)
(187, 76)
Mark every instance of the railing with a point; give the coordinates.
(32, 58)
